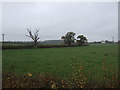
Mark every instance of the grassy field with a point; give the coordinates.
(57, 61)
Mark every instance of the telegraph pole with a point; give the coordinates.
(113, 39)
(3, 35)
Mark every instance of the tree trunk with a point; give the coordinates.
(35, 44)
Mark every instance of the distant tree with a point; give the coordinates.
(69, 38)
(34, 36)
(82, 40)
(106, 41)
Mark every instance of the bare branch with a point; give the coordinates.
(34, 36)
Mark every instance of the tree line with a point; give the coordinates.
(68, 39)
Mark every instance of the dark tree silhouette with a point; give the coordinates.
(82, 40)
(69, 38)
(34, 36)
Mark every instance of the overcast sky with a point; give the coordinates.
(95, 20)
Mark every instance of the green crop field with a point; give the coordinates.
(57, 61)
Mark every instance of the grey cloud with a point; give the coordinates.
(97, 21)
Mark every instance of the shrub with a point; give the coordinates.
(27, 46)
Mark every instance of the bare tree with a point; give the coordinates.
(34, 36)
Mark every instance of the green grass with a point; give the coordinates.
(57, 61)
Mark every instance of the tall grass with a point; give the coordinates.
(79, 78)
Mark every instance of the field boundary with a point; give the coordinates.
(7, 47)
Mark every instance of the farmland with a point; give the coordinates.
(58, 61)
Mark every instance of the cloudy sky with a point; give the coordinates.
(96, 20)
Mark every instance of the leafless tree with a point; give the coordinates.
(33, 36)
